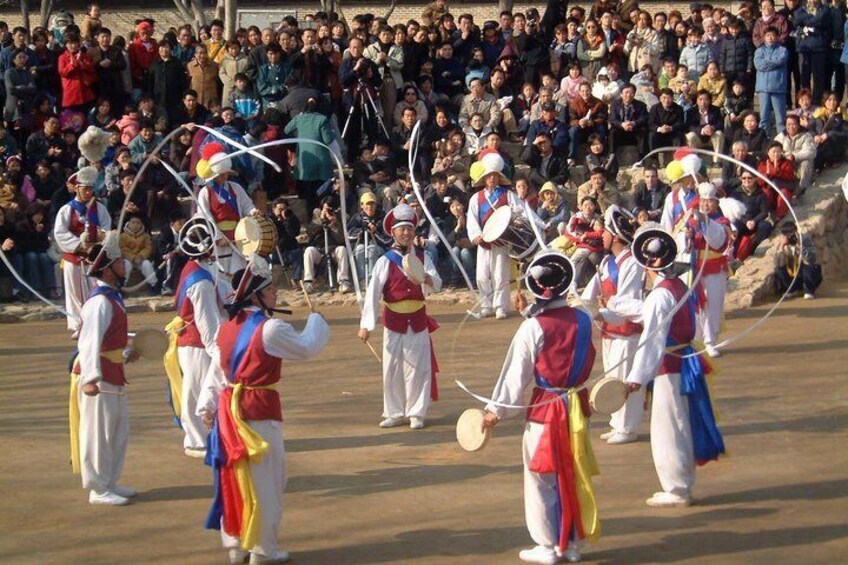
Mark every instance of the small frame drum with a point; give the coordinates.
(414, 268)
(608, 395)
(150, 343)
(255, 235)
(502, 228)
(469, 430)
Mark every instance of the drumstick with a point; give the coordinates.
(374, 351)
(306, 295)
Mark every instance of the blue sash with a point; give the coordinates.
(707, 441)
(678, 209)
(216, 457)
(200, 274)
(85, 212)
(395, 257)
(243, 341)
(486, 205)
(225, 196)
(109, 292)
(612, 269)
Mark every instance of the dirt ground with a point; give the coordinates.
(358, 494)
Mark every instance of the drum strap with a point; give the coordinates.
(489, 203)
(396, 257)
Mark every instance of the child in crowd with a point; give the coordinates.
(738, 102)
(243, 98)
(129, 124)
(796, 256)
(136, 249)
(585, 229)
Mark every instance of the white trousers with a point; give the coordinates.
(671, 437)
(77, 287)
(540, 493)
(312, 258)
(715, 287)
(104, 431)
(406, 374)
(146, 268)
(493, 270)
(619, 352)
(269, 480)
(194, 363)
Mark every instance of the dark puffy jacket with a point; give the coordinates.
(737, 55)
(813, 29)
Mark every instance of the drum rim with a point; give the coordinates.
(485, 434)
(598, 386)
(496, 215)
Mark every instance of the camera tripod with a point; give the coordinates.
(368, 107)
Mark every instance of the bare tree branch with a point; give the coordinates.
(46, 11)
(390, 10)
(25, 13)
(505, 5)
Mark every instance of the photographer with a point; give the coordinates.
(289, 253)
(369, 220)
(790, 259)
(326, 237)
(360, 78)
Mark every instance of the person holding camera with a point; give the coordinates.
(326, 238)
(289, 251)
(360, 77)
(795, 266)
(367, 233)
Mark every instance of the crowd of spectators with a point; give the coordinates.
(567, 96)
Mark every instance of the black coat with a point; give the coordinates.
(693, 119)
(660, 116)
(168, 84)
(556, 170)
(737, 56)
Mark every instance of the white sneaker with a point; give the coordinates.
(606, 435)
(280, 556)
(310, 288)
(667, 500)
(572, 554)
(195, 452)
(125, 492)
(713, 351)
(620, 438)
(416, 423)
(391, 422)
(238, 557)
(809, 296)
(500, 314)
(487, 313)
(107, 498)
(344, 289)
(539, 554)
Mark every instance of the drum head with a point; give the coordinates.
(469, 430)
(247, 235)
(414, 268)
(497, 224)
(150, 343)
(608, 395)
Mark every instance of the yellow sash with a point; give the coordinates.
(256, 449)
(172, 364)
(227, 225)
(585, 467)
(710, 254)
(405, 306)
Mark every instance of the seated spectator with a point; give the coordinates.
(31, 244)
(628, 120)
(475, 134)
(144, 143)
(731, 172)
(10, 289)
(117, 198)
(166, 250)
(599, 157)
(549, 124)
(831, 141)
(128, 125)
(552, 208)
(650, 193)
(738, 102)
(48, 144)
(755, 226)
(546, 165)
(480, 102)
(705, 125)
(376, 165)
(101, 114)
(681, 79)
(325, 234)
(713, 82)
(668, 72)
(136, 250)
(795, 267)
(410, 100)
(665, 123)
(807, 111)
(599, 190)
(781, 171)
(604, 88)
(498, 88)
(588, 117)
(798, 147)
(288, 229)
(190, 111)
(570, 85)
(452, 162)
(646, 86)
(753, 135)
(586, 229)
(369, 240)
(148, 110)
(441, 193)
(460, 245)
(524, 104)
(45, 183)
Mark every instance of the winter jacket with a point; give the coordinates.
(137, 247)
(78, 77)
(814, 29)
(778, 22)
(141, 57)
(716, 87)
(737, 56)
(20, 89)
(772, 69)
(227, 71)
(204, 81)
(168, 84)
(801, 147)
(696, 59)
(758, 141)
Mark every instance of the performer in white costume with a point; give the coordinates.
(409, 368)
(80, 223)
(618, 288)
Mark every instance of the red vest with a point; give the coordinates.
(76, 226)
(257, 368)
(559, 352)
(189, 336)
(398, 288)
(114, 339)
(715, 259)
(609, 288)
(223, 212)
(682, 328)
(503, 200)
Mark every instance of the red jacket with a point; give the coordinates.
(78, 75)
(782, 174)
(141, 59)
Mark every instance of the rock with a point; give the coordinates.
(6, 318)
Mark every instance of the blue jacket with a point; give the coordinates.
(271, 82)
(844, 58)
(558, 132)
(772, 68)
(813, 30)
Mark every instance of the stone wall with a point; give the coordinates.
(823, 212)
